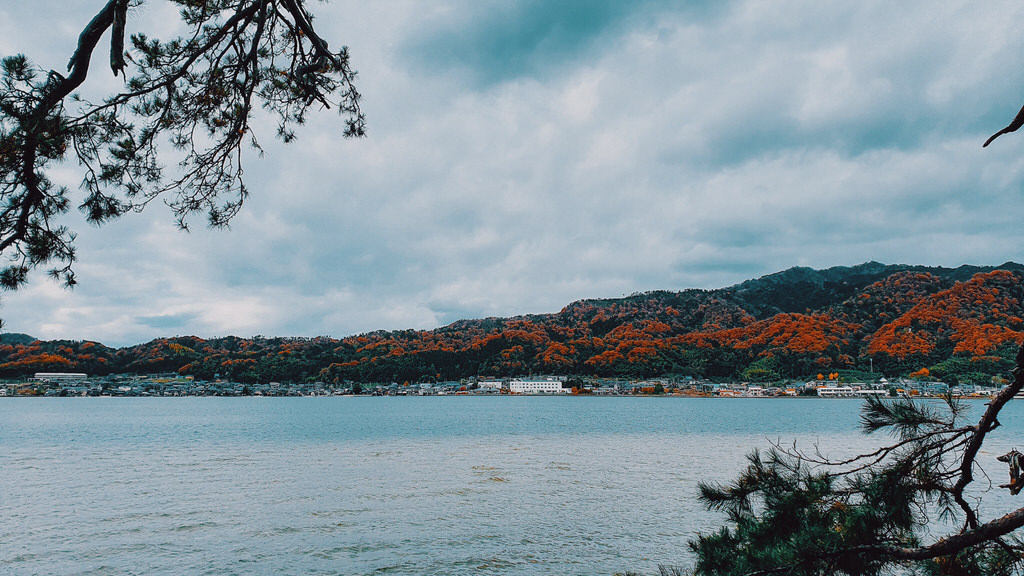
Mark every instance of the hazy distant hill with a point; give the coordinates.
(962, 324)
(16, 338)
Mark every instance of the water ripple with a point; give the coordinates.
(380, 486)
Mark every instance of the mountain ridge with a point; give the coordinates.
(894, 317)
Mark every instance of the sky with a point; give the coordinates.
(523, 155)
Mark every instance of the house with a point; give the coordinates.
(835, 391)
(59, 376)
(546, 386)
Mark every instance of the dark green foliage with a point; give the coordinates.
(198, 92)
(764, 369)
(963, 370)
(905, 417)
(798, 514)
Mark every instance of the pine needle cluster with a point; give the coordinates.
(190, 99)
(802, 514)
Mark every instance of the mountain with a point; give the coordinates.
(962, 324)
(800, 289)
(16, 338)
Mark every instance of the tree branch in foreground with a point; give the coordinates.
(795, 514)
(191, 97)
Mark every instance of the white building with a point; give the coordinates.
(59, 376)
(490, 384)
(835, 391)
(546, 386)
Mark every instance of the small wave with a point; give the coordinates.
(197, 526)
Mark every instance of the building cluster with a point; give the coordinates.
(836, 389)
(76, 384)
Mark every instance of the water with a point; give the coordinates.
(404, 486)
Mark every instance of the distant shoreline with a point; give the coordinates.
(577, 396)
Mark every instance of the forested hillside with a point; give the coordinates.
(960, 324)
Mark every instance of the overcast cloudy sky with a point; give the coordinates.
(526, 154)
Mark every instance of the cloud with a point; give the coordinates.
(507, 41)
(169, 323)
(523, 155)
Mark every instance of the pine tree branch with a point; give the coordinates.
(987, 423)
(117, 63)
(56, 89)
(237, 21)
(239, 52)
(990, 531)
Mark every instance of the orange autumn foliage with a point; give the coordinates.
(963, 315)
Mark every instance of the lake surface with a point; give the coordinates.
(403, 486)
